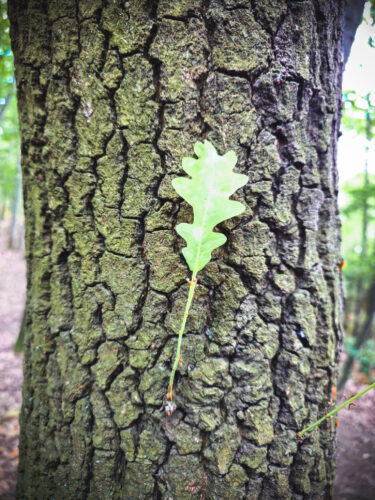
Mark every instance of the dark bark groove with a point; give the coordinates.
(112, 94)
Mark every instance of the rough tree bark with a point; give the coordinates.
(112, 94)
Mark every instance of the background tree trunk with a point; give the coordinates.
(353, 13)
(111, 96)
(14, 238)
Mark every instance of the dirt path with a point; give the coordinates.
(12, 297)
(356, 438)
(355, 479)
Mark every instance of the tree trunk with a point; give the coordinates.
(361, 335)
(352, 19)
(111, 96)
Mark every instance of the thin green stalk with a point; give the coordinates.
(193, 284)
(210, 184)
(335, 410)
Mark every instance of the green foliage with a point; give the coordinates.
(365, 355)
(9, 132)
(6, 59)
(359, 265)
(212, 182)
(358, 215)
(358, 195)
(358, 113)
(358, 210)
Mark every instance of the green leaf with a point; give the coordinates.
(212, 182)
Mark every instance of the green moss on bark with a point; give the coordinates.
(111, 98)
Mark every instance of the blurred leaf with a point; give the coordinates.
(358, 114)
(372, 11)
(9, 131)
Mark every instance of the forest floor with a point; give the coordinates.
(355, 478)
(12, 300)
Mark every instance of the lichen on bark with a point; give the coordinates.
(112, 95)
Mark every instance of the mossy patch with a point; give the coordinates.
(167, 270)
(238, 43)
(136, 109)
(124, 399)
(128, 25)
(222, 447)
(188, 48)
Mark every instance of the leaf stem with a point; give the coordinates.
(193, 284)
(335, 410)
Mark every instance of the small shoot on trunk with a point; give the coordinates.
(349, 402)
(208, 190)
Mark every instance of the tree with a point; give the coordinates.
(111, 96)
